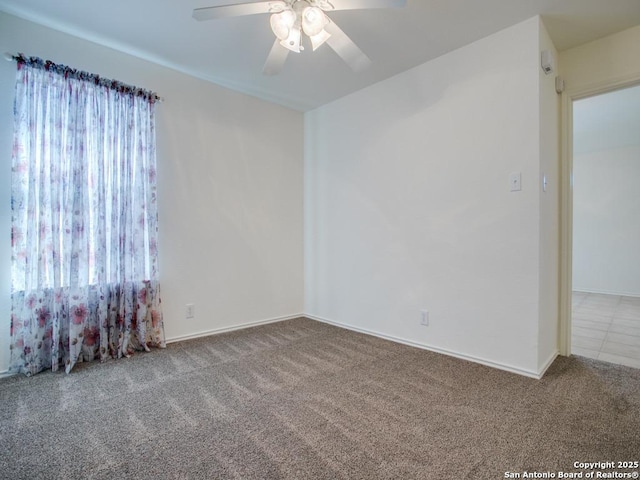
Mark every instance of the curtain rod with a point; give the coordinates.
(10, 57)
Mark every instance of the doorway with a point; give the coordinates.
(605, 226)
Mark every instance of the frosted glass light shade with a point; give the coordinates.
(313, 21)
(282, 22)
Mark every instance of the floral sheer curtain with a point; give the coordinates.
(84, 220)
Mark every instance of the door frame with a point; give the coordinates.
(566, 196)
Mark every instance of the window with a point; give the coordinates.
(84, 219)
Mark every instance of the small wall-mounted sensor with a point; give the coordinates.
(559, 85)
(546, 60)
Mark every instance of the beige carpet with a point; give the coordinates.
(304, 400)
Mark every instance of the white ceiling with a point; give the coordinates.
(231, 52)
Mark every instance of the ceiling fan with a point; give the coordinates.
(291, 18)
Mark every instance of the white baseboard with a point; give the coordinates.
(462, 356)
(548, 363)
(470, 358)
(605, 292)
(5, 374)
(217, 331)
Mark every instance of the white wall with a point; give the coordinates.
(407, 204)
(602, 61)
(606, 200)
(230, 191)
(549, 209)
(606, 221)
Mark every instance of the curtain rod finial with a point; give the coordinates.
(7, 56)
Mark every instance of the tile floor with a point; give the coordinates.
(606, 327)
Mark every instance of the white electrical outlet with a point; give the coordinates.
(190, 310)
(424, 318)
(515, 182)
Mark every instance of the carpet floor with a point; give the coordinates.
(304, 400)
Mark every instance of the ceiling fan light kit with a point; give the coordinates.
(288, 25)
(313, 21)
(291, 18)
(282, 23)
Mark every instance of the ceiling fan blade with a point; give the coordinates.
(346, 49)
(237, 10)
(276, 59)
(331, 5)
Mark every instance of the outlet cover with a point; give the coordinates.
(515, 182)
(190, 310)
